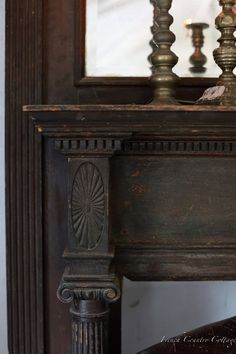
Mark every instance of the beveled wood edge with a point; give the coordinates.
(161, 264)
(129, 107)
(175, 247)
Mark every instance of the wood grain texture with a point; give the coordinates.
(174, 201)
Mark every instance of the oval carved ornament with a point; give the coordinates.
(88, 205)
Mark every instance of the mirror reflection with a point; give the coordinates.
(118, 35)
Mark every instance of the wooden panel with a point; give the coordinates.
(176, 201)
(59, 51)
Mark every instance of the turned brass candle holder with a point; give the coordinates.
(197, 59)
(224, 93)
(163, 80)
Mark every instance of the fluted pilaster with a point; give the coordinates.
(89, 327)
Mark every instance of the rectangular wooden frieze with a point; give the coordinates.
(174, 201)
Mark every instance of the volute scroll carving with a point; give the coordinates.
(108, 292)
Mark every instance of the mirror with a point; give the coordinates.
(118, 35)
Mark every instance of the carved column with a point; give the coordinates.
(89, 282)
(90, 313)
(163, 80)
(89, 326)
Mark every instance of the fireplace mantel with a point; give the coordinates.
(139, 191)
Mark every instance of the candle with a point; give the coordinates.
(187, 22)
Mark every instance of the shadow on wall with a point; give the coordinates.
(152, 310)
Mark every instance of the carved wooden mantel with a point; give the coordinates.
(137, 191)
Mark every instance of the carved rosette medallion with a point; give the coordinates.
(88, 206)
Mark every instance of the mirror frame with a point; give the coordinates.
(79, 59)
(188, 88)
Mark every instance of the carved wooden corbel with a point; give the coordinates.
(89, 282)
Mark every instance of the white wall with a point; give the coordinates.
(152, 310)
(3, 321)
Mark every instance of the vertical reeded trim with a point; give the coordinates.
(23, 86)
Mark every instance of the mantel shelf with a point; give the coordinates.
(130, 107)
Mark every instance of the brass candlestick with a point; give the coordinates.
(225, 57)
(197, 59)
(163, 80)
